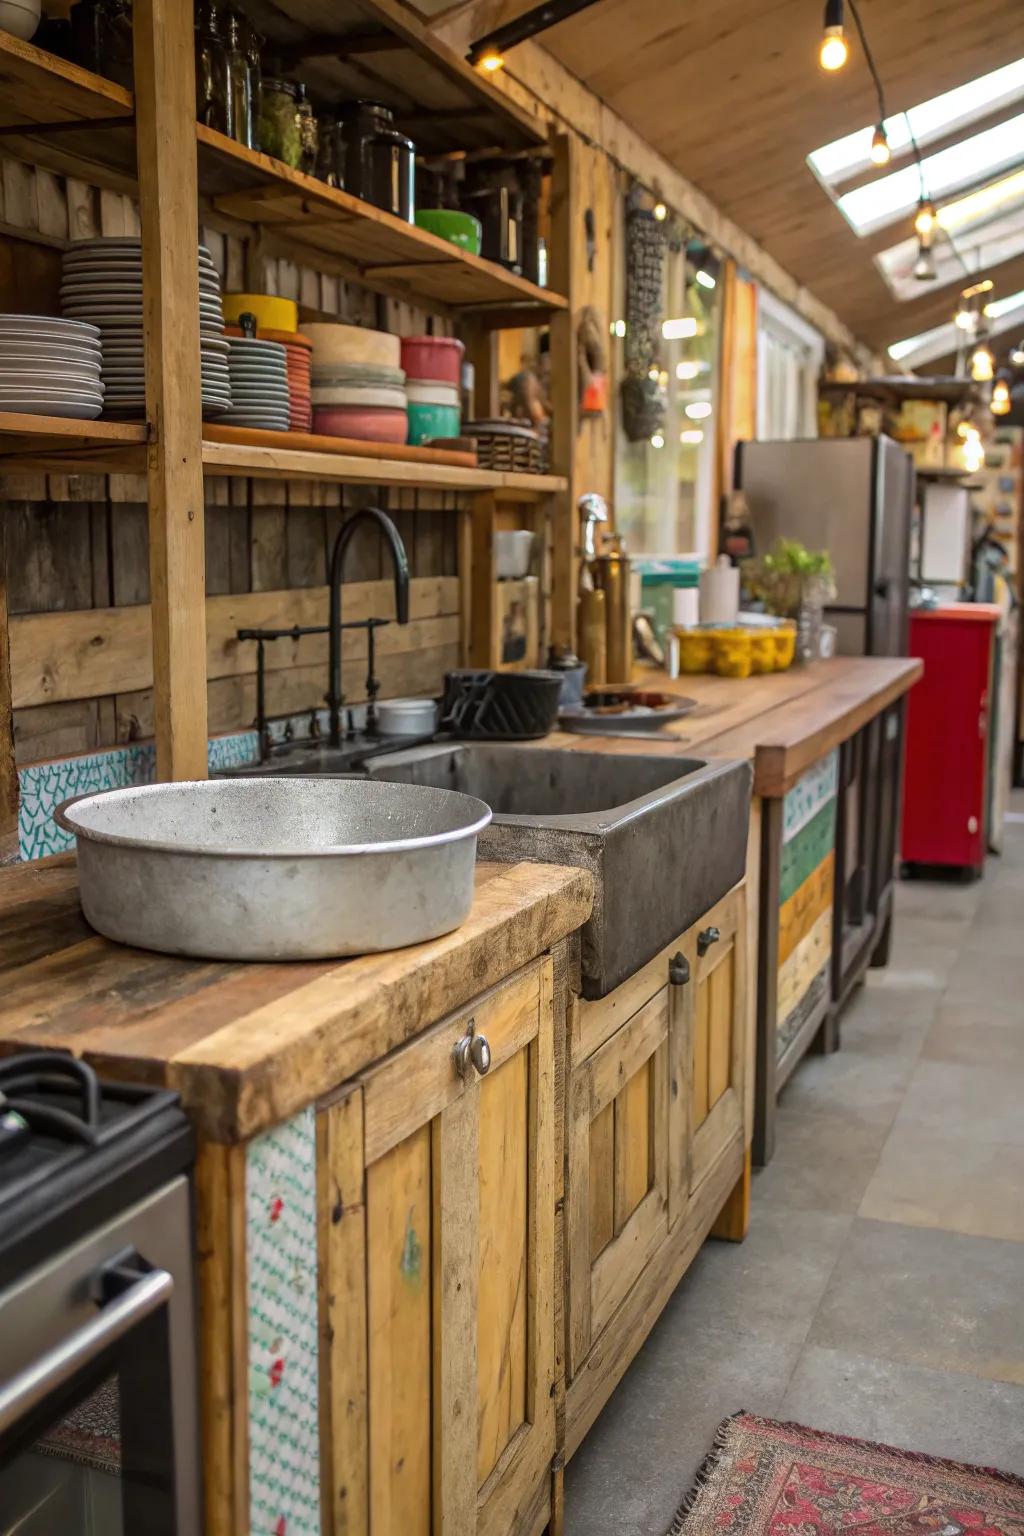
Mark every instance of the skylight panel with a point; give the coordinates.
(895, 196)
(958, 108)
(1003, 314)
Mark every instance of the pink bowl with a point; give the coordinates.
(435, 358)
(375, 424)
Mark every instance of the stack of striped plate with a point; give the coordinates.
(50, 367)
(259, 385)
(102, 284)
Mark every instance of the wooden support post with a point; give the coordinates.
(168, 203)
(564, 397)
(481, 343)
(8, 770)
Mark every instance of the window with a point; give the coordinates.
(664, 487)
(789, 358)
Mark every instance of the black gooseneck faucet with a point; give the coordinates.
(400, 560)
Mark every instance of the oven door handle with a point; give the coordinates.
(59, 1365)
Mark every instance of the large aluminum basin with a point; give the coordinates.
(663, 837)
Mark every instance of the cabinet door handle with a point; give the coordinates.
(706, 938)
(471, 1053)
(679, 969)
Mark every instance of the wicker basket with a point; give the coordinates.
(508, 445)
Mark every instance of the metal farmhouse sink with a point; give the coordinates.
(664, 838)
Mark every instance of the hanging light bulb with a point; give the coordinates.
(1000, 403)
(964, 317)
(924, 267)
(881, 154)
(1017, 355)
(834, 50)
(983, 364)
(491, 60)
(924, 221)
(660, 211)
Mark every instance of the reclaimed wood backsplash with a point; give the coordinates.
(78, 544)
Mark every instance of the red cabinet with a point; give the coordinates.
(944, 782)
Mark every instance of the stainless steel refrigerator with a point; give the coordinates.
(854, 497)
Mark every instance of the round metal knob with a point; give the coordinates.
(471, 1052)
(480, 1054)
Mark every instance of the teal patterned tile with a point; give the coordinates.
(281, 1246)
(43, 786)
(816, 788)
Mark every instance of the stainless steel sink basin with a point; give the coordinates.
(663, 837)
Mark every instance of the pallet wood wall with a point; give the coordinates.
(80, 543)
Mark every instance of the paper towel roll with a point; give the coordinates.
(685, 606)
(720, 593)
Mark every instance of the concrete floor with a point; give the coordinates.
(880, 1291)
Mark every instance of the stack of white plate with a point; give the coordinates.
(102, 284)
(259, 385)
(50, 367)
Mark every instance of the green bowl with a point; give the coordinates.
(460, 229)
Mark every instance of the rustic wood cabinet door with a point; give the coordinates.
(618, 1169)
(441, 1343)
(718, 1029)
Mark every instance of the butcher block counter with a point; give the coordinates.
(377, 1212)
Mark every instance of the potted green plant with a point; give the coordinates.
(795, 583)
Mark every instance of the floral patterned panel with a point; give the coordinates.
(281, 1248)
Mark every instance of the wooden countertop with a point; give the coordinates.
(247, 1045)
(782, 722)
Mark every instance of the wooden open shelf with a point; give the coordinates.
(40, 94)
(50, 444)
(68, 446)
(382, 251)
(241, 456)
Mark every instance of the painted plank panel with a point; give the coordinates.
(399, 1242)
(720, 988)
(702, 1025)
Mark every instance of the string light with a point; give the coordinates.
(1016, 356)
(660, 212)
(983, 364)
(881, 154)
(924, 219)
(491, 61)
(657, 441)
(834, 50)
(1000, 403)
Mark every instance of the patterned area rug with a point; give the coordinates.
(767, 1479)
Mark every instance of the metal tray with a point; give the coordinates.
(275, 869)
(630, 722)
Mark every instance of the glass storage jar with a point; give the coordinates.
(279, 122)
(213, 79)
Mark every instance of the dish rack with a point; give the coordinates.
(508, 445)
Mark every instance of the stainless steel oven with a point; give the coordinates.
(98, 1417)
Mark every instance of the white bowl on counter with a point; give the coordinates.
(407, 717)
(513, 551)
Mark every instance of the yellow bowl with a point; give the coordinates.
(734, 652)
(696, 650)
(272, 313)
(784, 639)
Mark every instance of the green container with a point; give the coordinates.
(426, 421)
(460, 229)
(660, 576)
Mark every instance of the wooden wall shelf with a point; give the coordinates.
(64, 117)
(384, 252)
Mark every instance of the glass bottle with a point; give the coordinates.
(279, 122)
(213, 79)
(252, 43)
(240, 92)
(306, 119)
